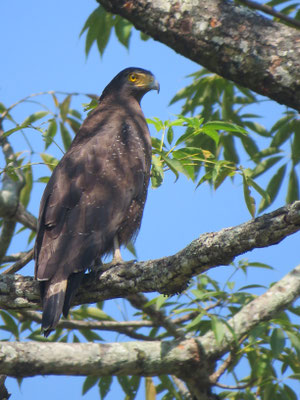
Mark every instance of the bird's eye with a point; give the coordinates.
(132, 77)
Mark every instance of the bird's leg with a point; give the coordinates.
(117, 258)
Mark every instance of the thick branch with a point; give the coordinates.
(169, 274)
(230, 40)
(263, 308)
(184, 358)
(132, 358)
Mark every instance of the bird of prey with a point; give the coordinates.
(95, 198)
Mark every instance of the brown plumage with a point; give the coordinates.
(95, 198)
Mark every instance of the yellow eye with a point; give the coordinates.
(132, 77)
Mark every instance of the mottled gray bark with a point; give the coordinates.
(167, 275)
(228, 39)
(183, 358)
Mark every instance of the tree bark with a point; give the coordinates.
(185, 358)
(167, 275)
(230, 40)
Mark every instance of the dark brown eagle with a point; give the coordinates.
(95, 198)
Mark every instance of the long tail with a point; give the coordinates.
(53, 294)
(74, 282)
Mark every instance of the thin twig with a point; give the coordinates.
(14, 257)
(124, 327)
(229, 360)
(3, 115)
(4, 395)
(20, 263)
(139, 301)
(183, 390)
(10, 194)
(271, 11)
(233, 387)
(26, 218)
(7, 232)
(194, 314)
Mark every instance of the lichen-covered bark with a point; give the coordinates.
(230, 40)
(132, 358)
(185, 358)
(169, 274)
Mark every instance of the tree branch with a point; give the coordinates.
(9, 195)
(263, 308)
(26, 258)
(124, 327)
(230, 40)
(158, 317)
(166, 275)
(271, 11)
(183, 358)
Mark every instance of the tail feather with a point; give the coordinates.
(74, 282)
(53, 302)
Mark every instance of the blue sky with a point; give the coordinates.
(41, 50)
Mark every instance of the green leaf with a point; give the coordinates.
(226, 126)
(144, 36)
(31, 237)
(50, 161)
(10, 131)
(10, 324)
(218, 329)
(170, 134)
(34, 117)
(98, 26)
(65, 135)
(264, 166)
(289, 393)
(211, 132)
(284, 132)
(157, 173)
(295, 342)
(88, 383)
(230, 152)
(123, 30)
(293, 187)
(260, 190)
(260, 265)
(194, 322)
(273, 188)
(130, 247)
(43, 179)
(64, 107)
(296, 148)
(277, 342)
(28, 121)
(74, 124)
(160, 301)
(124, 381)
(257, 128)
(90, 335)
(175, 166)
(158, 123)
(221, 171)
(104, 385)
(250, 146)
(50, 133)
(26, 191)
(250, 201)
(105, 25)
(96, 313)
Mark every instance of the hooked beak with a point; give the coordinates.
(154, 85)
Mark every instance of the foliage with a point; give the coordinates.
(216, 138)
